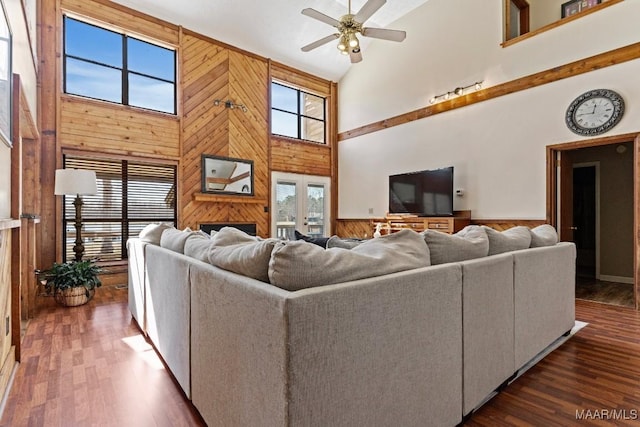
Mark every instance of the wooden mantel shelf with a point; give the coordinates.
(227, 198)
(9, 223)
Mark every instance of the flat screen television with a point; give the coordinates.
(424, 193)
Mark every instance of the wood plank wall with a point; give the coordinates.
(214, 71)
(208, 70)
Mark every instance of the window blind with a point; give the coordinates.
(130, 195)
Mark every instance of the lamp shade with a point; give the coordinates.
(75, 182)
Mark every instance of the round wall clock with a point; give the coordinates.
(595, 112)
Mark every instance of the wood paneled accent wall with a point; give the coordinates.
(207, 70)
(215, 71)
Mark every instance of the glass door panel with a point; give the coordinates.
(315, 210)
(286, 209)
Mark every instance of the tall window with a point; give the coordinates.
(110, 66)
(297, 114)
(130, 195)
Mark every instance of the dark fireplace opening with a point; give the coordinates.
(246, 227)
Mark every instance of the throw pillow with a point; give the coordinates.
(174, 239)
(469, 243)
(297, 265)
(236, 251)
(320, 241)
(338, 242)
(197, 246)
(543, 235)
(152, 233)
(513, 239)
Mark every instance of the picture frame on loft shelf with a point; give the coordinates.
(576, 6)
(6, 77)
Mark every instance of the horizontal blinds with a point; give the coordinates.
(129, 196)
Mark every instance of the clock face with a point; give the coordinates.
(595, 112)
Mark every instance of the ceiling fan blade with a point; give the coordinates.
(369, 9)
(320, 42)
(312, 13)
(384, 34)
(355, 56)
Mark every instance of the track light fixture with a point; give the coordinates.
(459, 91)
(230, 104)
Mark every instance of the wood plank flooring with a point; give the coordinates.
(608, 292)
(89, 365)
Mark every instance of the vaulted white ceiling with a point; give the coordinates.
(275, 28)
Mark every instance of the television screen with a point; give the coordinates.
(424, 193)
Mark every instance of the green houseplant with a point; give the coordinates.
(72, 283)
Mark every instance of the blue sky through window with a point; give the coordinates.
(95, 58)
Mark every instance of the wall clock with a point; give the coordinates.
(594, 112)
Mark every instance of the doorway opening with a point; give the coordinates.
(593, 202)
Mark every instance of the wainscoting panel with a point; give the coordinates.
(362, 228)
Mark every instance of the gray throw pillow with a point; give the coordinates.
(298, 264)
(513, 239)
(236, 251)
(543, 235)
(197, 246)
(338, 242)
(152, 233)
(174, 239)
(469, 243)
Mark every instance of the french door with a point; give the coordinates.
(300, 202)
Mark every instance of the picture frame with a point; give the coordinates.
(227, 175)
(576, 6)
(6, 77)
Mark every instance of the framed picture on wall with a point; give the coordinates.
(575, 6)
(5, 77)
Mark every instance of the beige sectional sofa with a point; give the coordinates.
(423, 346)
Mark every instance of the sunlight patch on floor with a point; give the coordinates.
(144, 350)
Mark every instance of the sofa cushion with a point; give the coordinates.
(543, 235)
(152, 233)
(320, 241)
(339, 242)
(297, 265)
(513, 239)
(174, 239)
(237, 251)
(197, 246)
(469, 243)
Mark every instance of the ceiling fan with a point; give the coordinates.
(348, 26)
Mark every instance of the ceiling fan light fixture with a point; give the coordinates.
(342, 45)
(344, 52)
(353, 40)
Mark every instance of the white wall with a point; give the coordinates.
(497, 147)
(543, 12)
(23, 64)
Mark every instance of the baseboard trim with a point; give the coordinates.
(618, 279)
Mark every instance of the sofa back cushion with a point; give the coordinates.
(469, 243)
(297, 265)
(152, 233)
(513, 239)
(174, 239)
(236, 251)
(197, 246)
(543, 235)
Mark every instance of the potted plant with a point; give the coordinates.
(72, 283)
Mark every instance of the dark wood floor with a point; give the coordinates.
(607, 292)
(90, 366)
